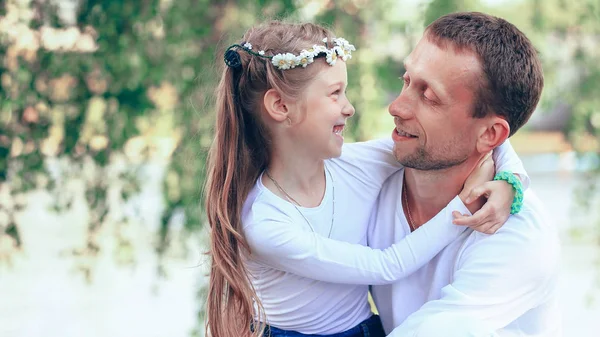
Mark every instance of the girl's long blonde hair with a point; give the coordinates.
(239, 153)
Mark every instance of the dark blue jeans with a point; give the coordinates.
(371, 327)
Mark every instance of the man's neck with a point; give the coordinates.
(428, 192)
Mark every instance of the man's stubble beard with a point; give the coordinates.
(423, 160)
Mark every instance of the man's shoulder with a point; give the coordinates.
(532, 220)
(530, 223)
(529, 237)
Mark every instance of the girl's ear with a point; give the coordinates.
(275, 105)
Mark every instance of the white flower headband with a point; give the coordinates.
(342, 48)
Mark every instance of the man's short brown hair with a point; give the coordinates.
(512, 78)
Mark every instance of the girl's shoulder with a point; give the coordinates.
(260, 206)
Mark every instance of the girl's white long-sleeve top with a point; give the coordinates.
(313, 284)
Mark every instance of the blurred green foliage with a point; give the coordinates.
(133, 81)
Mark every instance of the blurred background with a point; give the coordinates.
(106, 115)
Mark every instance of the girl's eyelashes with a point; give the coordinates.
(337, 92)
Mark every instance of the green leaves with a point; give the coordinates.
(144, 89)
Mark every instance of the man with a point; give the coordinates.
(471, 82)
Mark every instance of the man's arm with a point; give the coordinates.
(498, 277)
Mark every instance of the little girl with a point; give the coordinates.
(289, 206)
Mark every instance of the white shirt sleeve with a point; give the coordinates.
(496, 280)
(373, 161)
(369, 163)
(277, 243)
(506, 159)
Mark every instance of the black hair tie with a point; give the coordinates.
(232, 59)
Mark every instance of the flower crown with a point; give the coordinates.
(342, 48)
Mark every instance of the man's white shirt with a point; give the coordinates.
(505, 282)
(316, 285)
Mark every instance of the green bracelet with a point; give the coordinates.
(510, 178)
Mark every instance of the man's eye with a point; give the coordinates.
(429, 100)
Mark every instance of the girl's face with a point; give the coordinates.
(320, 115)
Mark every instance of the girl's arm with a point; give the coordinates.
(275, 241)
(491, 213)
(372, 162)
(368, 164)
(506, 159)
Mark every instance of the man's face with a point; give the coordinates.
(434, 128)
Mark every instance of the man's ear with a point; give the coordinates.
(275, 105)
(496, 131)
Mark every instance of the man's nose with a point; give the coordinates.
(402, 107)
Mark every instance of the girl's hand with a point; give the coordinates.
(482, 173)
(488, 215)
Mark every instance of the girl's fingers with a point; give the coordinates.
(489, 227)
(481, 190)
(476, 219)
